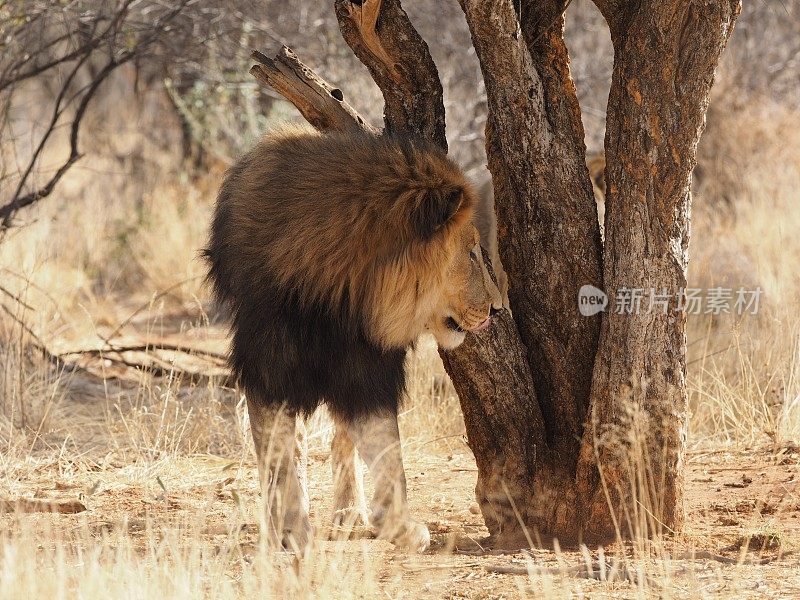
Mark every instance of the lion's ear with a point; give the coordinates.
(435, 209)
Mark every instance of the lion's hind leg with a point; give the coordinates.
(377, 439)
(281, 469)
(349, 504)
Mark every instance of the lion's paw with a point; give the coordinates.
(297, 538)
(407, 535)
(415, 537)
(349, 518)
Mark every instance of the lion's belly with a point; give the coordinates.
(301, 355)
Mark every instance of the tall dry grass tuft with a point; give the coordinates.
(431, 416)
(743, 370)
(174, 563)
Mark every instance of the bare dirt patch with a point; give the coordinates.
(743, 509)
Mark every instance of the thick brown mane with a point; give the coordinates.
(352, 221)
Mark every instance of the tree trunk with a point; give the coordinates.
(577, 423)
(665, 57)
(624, 476)
(550, 246)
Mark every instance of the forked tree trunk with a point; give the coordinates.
(550, 246)
(577, 423)
(624, 476)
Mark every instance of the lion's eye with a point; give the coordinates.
(473, 256)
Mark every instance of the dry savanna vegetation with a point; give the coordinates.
(126, 462)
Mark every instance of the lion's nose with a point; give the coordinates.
(494, 310)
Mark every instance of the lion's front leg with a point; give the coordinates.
(280, 454)
(349, 505)
(377, 439)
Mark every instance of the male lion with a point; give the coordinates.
(334, 253)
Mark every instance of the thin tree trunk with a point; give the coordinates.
(382, 37)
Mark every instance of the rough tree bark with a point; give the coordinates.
(382, 37)
(665, 57)
(549, 246)
(556, 404)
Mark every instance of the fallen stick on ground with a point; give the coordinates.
(64, 507)
(610, 571)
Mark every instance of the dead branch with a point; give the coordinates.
(146, 348)
(155, 367)
(64, 507)
(115, 353)
(166, 370)
(115, 356)
(320, 103)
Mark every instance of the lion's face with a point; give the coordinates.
(469, 298)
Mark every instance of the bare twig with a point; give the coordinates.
(79, 53)
(108, 37)
(146, 348)
(7, 211)
(15, 298)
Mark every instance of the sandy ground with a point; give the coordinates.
(731, 495)
(741, 539)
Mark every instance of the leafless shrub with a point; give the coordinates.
(72, 49)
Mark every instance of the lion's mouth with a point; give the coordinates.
(454, 326)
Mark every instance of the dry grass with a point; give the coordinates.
(165, 466)
(743, 373)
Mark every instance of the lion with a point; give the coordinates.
(596, 163)
(334, 253)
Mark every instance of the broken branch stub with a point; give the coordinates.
(320, 103)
